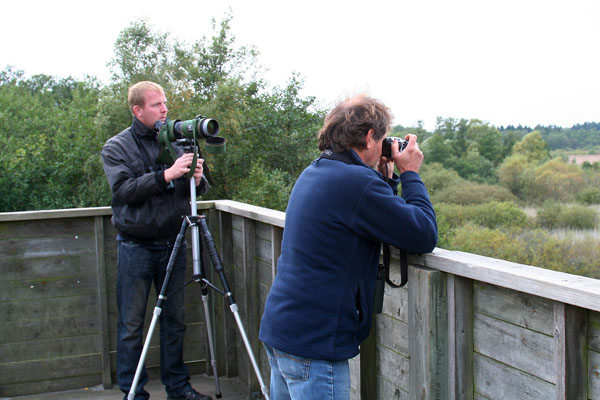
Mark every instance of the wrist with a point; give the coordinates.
(167, 175)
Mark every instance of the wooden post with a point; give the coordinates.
(570, 354)
(102, 301)
(276, 237)
(249, 311)
(227, 340)
(428, 334)
(460, 338)
(368, 365)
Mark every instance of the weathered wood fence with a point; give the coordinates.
(464, 327)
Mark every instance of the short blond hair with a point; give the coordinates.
(135, 96)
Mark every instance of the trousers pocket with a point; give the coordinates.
(292, 367)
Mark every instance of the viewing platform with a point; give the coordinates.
(464, 327)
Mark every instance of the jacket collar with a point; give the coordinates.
(142, 130)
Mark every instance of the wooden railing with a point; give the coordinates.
(464, 327)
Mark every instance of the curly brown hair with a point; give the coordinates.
(348, 123)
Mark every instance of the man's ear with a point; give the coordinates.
(136, 110)
(369, 138)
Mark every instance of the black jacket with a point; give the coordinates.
(145, 207)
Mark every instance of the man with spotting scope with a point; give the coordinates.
(342, 207)
(148, 201)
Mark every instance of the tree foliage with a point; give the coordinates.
(54, 129)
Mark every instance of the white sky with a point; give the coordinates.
(502, 61)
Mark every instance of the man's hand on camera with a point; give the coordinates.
(386, 165)
(181, 166)
(199, 170)
(411, 158)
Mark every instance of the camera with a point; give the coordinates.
(386, 146)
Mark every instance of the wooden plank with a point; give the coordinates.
(45, 308)
(261, 214)
(48, 386)
(368, 365)
(528, 311)
(393, 367)
(29, 229)
(428, 325)
(41, 329)
(495, 380)
(390, 391)
(276, 238)
(570, 342)
(54, 368)
(594, 330)
(594, 374)
(392, 333)
(48, 246)
(102, 302)
(248, 312)
(49, 348)
(460, 338)
(51, 287)
(515, 346)
(395, 303)
(17, 268)
(53, 214)
(565, 288)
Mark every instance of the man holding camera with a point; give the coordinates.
(148, 201)
(342, 207)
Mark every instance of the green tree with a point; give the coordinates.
(533, 147)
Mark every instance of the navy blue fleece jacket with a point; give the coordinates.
(320, 305)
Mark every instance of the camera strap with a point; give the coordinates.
(346, 157)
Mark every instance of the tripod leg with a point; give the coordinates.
(238, 320)
(211, 346)
(198, 270)
(218, 264)
(158, 309)
(138, 371)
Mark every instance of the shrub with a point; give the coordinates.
(490, 215)
(436, 177)
(489, 242)
(499, 214)
(589, 195)
(553, 216)
(579, 217)
(467, 192)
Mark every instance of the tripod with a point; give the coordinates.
(198, 222)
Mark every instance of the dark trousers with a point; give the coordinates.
(140, 266)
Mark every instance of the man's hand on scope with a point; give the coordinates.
(181, 166)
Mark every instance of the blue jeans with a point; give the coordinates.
(299, 378)
(139, 266)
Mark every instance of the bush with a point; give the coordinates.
(554, 216)
(489, 242)
(265, 188)
(589, 196)
(466, 192)
(436, 177)
(499, 214)
(490, 215)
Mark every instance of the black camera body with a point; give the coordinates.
(386, 146)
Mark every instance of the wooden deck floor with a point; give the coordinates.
(231, 389)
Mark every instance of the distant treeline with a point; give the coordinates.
(586, 135)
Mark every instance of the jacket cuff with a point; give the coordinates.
(159, 176)
(394, 181)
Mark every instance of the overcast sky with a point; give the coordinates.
(506, 62)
